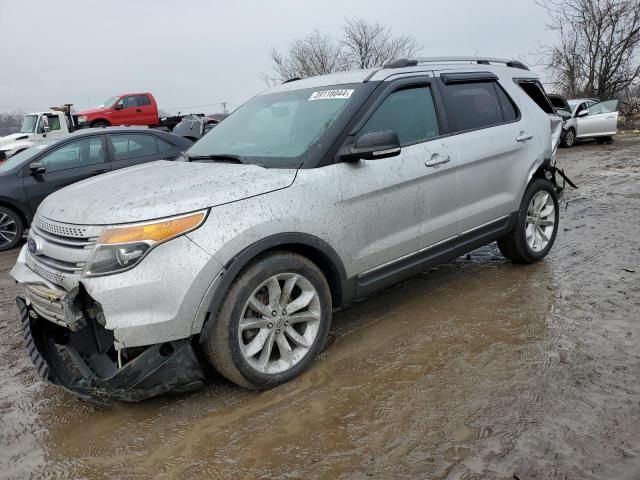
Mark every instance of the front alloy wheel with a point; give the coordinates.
(280, 322)
(273, 321)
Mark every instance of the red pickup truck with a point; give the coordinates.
(125, 109)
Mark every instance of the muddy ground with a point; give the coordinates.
(477, 369)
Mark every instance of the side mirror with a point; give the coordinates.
(37, 168)
(372, 146)
(47, 129)
(582, 113)
(118, 106)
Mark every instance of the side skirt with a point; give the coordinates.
(381, 277)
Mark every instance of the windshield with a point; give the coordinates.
(22, 157)
(29, 124)
(276, 129)
(108, 103)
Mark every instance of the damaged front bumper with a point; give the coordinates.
(85, 362)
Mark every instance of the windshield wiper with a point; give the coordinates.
(215, 158)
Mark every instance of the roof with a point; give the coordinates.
(434, 65)
(92, 131)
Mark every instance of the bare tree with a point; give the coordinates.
(315, 54)
(368, 45)
(363, 45)
(10, 122)
(598, 48)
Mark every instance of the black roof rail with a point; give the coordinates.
(401, 63)
(291, 80)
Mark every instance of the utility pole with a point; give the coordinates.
(224, 107)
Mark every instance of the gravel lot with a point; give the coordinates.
(476, 369)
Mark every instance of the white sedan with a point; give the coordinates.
(586, 118)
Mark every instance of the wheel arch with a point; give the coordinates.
(309, 246)
(21, 213)
(99, 120)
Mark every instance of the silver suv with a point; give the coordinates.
(312, 194)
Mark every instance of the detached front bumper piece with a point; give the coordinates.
(85, 362)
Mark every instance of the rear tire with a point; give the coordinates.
(536, 224)
(11, 229)
(253, 340)
(568, 138)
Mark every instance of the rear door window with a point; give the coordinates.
(409, 112)
(131, 101)
(142, 100)
(478, 105)
(132, 146)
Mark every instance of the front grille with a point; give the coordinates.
(62, 249)
(62, 229)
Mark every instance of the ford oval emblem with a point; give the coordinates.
(33, 246)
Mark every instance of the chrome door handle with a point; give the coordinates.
(523, 137)
(437, 159)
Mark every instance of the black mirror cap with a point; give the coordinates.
(37, 168)
(373, 146)
(118, 107)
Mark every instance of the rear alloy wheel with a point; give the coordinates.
(536, 225)
(11, 229)
(273, 322)
(569, 138)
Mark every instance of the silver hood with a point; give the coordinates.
(159, 189)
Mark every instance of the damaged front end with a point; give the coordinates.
(70, 347)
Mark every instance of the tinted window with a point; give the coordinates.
(163, 146)
(409, 112)
(537, 94)
(509, 112)
(143, 100)
(133, 146)
(80, 153)
(131, 101)
(474, 105)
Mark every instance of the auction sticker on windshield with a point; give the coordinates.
(331, 94)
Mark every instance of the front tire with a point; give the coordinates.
(536, 224)
(100, 123)
(11, 229)
(272, 323)
(568, 138)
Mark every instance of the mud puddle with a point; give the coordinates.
(477, 369)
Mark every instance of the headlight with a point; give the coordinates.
(123, 247)
(82, 119)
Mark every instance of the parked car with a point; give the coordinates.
(125, 109)
(28, 177)
(313, 194)
(195, 126)
(586, 118)
(37, 128)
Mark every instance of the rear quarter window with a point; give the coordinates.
(536, 92)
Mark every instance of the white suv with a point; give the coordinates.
(312, 194)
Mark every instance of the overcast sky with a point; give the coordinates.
(194, 54)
